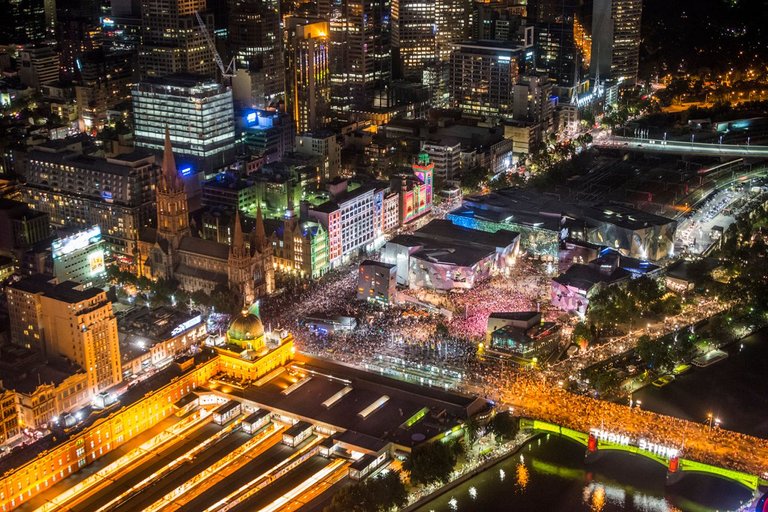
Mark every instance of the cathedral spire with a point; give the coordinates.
(170, 174)
(261, 234)
(238, 243)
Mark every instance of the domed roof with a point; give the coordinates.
(245, 327)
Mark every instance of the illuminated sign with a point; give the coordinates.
(186, 171)
(186, 325)
(96, 262)
(251, 118)
(504, 58)
(107, 22)
(107, 196)
(667, 452)
(76, 242)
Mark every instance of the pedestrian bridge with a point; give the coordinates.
(669, 457)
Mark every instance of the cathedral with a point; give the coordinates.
(171, 251)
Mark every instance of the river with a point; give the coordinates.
(734, 390)
(549, 475)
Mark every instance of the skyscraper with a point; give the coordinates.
(172, 41)
(616, 39)
(557, 53)
(309, 85)
(413, 36)
(255, 42)
(23, 22)
(361, 59)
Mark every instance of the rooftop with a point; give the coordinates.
(67, 291)
(584, 277)
(386, 423)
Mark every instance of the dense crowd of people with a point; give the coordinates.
(403, 335)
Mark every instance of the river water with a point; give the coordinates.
(734, 390)
(549, 473)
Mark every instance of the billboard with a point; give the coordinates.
(63, 246)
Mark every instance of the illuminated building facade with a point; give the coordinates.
(361, 57)
(75, 190)
(483, 75)
(324, 144)
(199, 114)
(71, 321)
(300, 247)
(413, 36)
(616, 39)
(170, 251)
(309, 84)
(452, 25)
(557, 52)
(39, 66)
(255, 41)
(415, 191)
(9, 417)
(80, 258)
(104, 81)
(44, 389)
(172, 41)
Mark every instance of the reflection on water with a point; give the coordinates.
(550, 475)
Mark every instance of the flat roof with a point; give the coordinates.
(385, 423)
(66, 291)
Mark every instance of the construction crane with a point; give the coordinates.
(227, 72)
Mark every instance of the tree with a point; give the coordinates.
(581, 335)
(381, 493)
(504, 426)
(431, 462)
(225, 301)
(655, 353)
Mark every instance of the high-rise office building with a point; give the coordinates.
(557, 52)
(71, 321)
(309, 85)
(413, 37)
(255, 41)
(361, 56)
(495, 65)
(616, 40)
(172, 41)
(199, 114)
(23, 22)
(104, 80)
(39, 66)
(453, 24)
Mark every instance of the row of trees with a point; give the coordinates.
(167, 291)
(379, 494)
(642, 297)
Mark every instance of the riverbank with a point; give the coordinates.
(513, 447)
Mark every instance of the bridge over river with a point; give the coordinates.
(681, 445)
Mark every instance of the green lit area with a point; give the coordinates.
(752, 482)
(416, 417)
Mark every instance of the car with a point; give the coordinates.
(663, 381)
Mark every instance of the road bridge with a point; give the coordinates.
(674, 147)
(599, 440)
